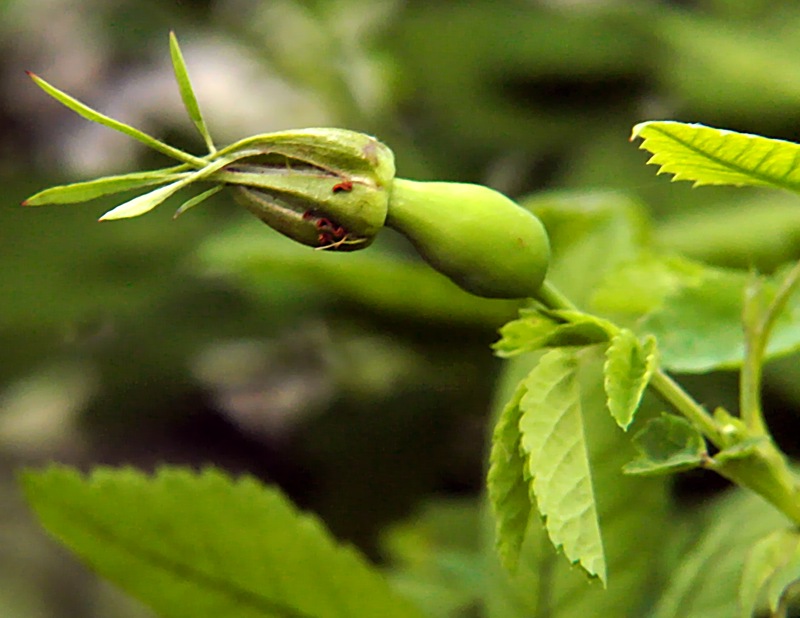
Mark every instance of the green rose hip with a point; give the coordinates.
(483, 241)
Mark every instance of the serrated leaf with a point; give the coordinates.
(627, 372)
(506, 482)
(710, 156)
(204, 545)
(666, 445)
(88, 190)
(772, 564)
(95, 116)
(187, 92)
(557, 460)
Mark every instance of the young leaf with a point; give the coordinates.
(628, 369)
(536, 330)
(190, 544)
(95, 116)
(771, 566)
(507, 486)
(187, 92)
(88, 190)
(527, 334)
(554, 443)
(666, 445)
(710, 156)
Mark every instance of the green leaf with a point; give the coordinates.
(527, 334)
(197, 199)
(91, 189)
(591, 232)
(95, 116)
(557, 460)
(639, 524)
(643, 284)
(204, 545)
(710, 156)
(771, 566)
(435, 558)
(538, 329)
(187, 92)
(507, 485)
(707, 577)
(666, 445)
(628, 369)
(695, 311)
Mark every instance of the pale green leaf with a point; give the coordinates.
(551, 329)
(710, 156)
(90, 189)
(143, 203)
(204, 545)
(771, 565)
(706, 580)
(95, 116)
(666, 445)
(554, 443)
(629, 366)
(197, 199)
(506, 483)
(527, 334)
(637, 518)
(187, 92)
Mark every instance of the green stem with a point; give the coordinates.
(759, 325)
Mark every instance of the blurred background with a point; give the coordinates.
(361, 384)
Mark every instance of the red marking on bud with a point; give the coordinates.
(343, 186)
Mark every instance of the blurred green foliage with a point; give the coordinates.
(363, 388)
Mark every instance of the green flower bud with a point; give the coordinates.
(483, 241)
(326, 188)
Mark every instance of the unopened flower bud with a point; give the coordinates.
(326, 188)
